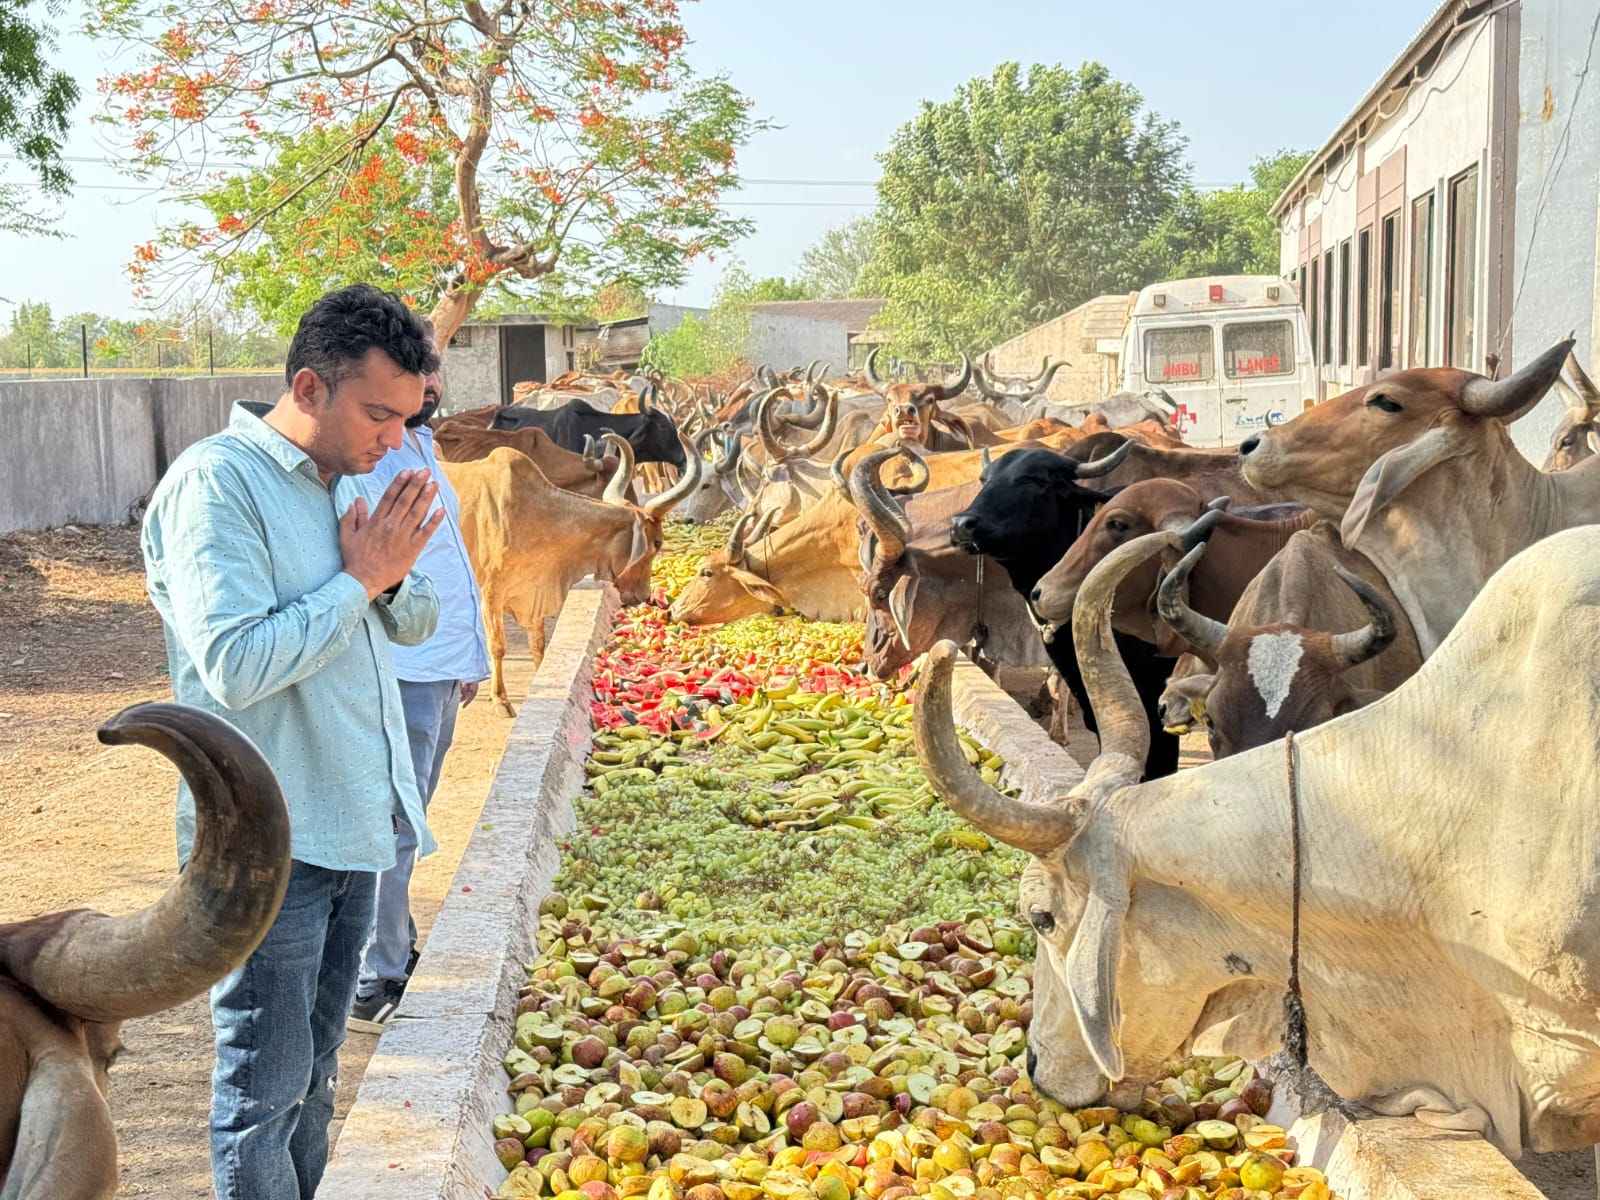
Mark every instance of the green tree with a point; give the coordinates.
(1023, 196)
(1229, 231)
(776, 287)
(713, 344)
(36, 103)
(833, 266)
(577, 143)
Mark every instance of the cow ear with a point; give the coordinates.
(901, 597)
(959, 426)
(1396, 471)
(1092, 979)
(641, 541)
(762, 590)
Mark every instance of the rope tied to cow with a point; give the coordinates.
(1295, 1036)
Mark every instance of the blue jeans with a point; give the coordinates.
(279, 1023)
(430, 710)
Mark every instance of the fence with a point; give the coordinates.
(88, 450)
(83, 352)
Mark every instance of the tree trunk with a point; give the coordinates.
(451, 312)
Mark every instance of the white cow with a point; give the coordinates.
(1450, 938)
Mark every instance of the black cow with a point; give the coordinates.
(651, 433)
(1028, 513)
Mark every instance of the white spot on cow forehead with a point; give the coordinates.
(1274, 659)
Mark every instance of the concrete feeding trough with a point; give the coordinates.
(1383, 1158)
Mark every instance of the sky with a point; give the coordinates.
(1242, 78)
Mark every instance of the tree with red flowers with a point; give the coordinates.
(433, 147)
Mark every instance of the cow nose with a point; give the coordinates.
(1033, 1062)
(962, 525)
(1036, 594)
(1248, 446)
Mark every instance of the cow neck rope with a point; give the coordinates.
(1295, 1036)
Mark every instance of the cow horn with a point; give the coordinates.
(732, 447)
(1509, 398)
(1105, 464)
(921, 474)
(1041, 385)
(816, 408)
(871, 370)
(836, 472)
(885, 520)
(1203, 633)
(1352, 649)
(593, 457)
(824, 433)
(764, 524)
(950, 389)
(735, 546)
(617, 490)
(815, 363)
(209, 921)
(985, 462)
(1583, 385)
(982, 377)
(770, 441)
(1267, 419)
(688, 482)
(1034, 828)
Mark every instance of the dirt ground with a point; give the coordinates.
(88, 825)
(83, 824)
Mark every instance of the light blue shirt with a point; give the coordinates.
(458, 649)
(264, 629)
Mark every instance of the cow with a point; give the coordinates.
(1270, 679)
(720, 488)
(1578, 435)
(529, 542)
(1242, 544)
(651, 433)
(1031, 508)
(586, 473)
(912, 411)
(919, 588)
(1446, 938)
(1209, 472)
(1015, 395)
(68, 980)
(1419, 470)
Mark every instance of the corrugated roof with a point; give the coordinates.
(1444, 18)
(856, 314)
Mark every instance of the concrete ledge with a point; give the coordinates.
(419, 1129)
(1382, 1158)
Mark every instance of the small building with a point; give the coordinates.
(1453, 214)
(486, 359)
(785, 333)
(1088, 337)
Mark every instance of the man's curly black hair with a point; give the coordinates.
(337, 331)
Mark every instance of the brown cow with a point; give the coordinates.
(530, 541)
(1240, 547)
(588, 475)
(912, 411)
(68, 980)
(1578, 435)
(1271, 678)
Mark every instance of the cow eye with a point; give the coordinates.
(706, 573)
(1383, 403)
(1041, 920)
(1565, 443)
(1116, 526)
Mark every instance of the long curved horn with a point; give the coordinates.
(885, 520)
(1124, 728)
(770, 441)
(1035, 828)
(871, 370)
(617, 490)
(213, 916)
(1203, 633)
(1583, 385)
(824, 433)
(593, 457)
(816, 408)
(836, 472)
(921, 474)
(814, 364)
(732, 447)
(1105, 464)
(1268, 421)
(767, 378)
(764, 524)
(1509, 398)
(688, 482)
(950, 389)
(736, 536)
(982, 376)
(1352, 649)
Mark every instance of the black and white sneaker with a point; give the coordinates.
(371, 1013)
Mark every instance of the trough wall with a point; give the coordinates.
(87, 449)
(420, 1126)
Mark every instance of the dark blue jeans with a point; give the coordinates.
(279, 1022)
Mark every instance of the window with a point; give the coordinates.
(1252, 348)
(1421, 281)
(1389, 281)
(1327, 309)
(1363, 296)
(572, 360)
(1180, 355)
(1344, 303)
(1313, 290)
(1461, 272)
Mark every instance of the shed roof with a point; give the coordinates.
(856, 314)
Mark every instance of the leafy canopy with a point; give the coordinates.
(36, 103)
(832, 267)
(1228, 231)
(439, 148)
(714, 344)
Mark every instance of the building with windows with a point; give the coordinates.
(1452, 218)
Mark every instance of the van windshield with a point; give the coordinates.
(1181, 354)
(1251, 348)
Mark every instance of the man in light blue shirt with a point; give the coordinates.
(280, 587)
(436, 678)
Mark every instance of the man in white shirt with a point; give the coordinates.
(436, 678)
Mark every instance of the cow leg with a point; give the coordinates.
(494, 623)
(532, 621)
(66, 1147)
